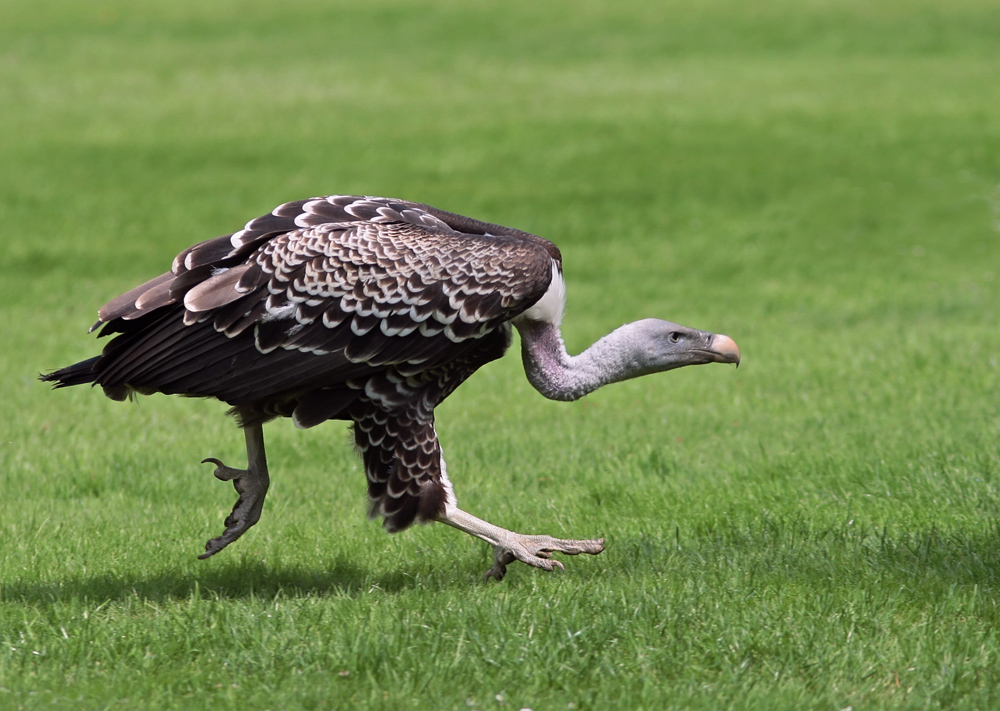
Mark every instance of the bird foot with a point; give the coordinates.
(509, 546)
(537, 552)
(251, 484)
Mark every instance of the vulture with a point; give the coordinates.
(371, 310)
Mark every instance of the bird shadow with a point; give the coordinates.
(232, 580)
(923, 554)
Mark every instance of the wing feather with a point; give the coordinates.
(218, 290)
(125, 305)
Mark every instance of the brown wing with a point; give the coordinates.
(203, 260)
(316, 294)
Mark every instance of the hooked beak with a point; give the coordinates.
(724, 350)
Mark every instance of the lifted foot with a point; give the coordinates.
(250, 483)
(252, 488)
(509, 546)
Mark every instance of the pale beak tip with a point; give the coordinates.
(727, 349)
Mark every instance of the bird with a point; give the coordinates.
(371, 310)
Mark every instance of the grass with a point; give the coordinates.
(817, 529)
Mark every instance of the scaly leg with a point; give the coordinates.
(509, 546)
(251, 484)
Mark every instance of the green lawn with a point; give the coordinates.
(818, 529)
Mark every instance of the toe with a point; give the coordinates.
(222, 472)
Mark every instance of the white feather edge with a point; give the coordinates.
(550, 307)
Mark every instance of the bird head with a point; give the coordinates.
(667, 345)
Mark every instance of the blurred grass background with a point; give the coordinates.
(817, 179)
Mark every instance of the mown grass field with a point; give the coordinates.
(815, 530)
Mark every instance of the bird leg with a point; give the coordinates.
(509, 546)
(250, 483)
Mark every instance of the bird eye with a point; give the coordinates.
(674, 337)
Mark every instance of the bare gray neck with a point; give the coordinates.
(560, 376)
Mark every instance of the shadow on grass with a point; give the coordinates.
(792, 549)
(237, 580)
(761, 549)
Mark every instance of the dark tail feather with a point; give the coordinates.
(76, 374)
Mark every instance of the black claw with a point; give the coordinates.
(252, 488)
(211, 548)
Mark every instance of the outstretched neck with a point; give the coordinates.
(559, 376)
